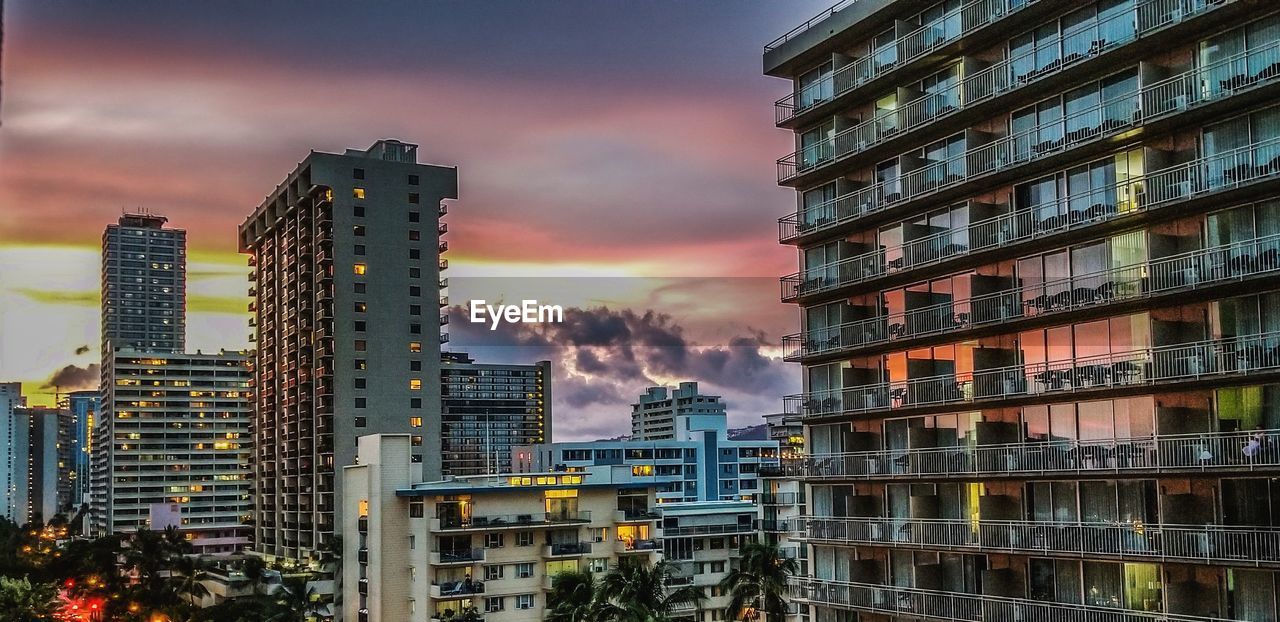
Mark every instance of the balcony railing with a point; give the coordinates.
(1202, 452)
(951, 26)
(1183, 272)
(1199, 543)
(1081, 42)
(711, 530)
(568, 548)
(1170, 95)
(500, 521)
(916, 603)
(1232, 356)
(1216, 173)
(794, 32)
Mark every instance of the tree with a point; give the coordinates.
(635, 592)
(759, 584)
(23, 601)
(296, 600)
(572, 597)
(186, 576)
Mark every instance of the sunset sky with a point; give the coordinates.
(615, 156)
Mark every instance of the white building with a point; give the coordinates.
(663, 413)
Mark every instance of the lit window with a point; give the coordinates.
(415, 346)
(357, 193)
(364, 507)
(415, 422)
(415, 384)
(361, 268)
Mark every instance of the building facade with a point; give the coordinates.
(144, 273)
(48, 457)
(82, 406)
(172, 447)
(701, 540)
(486, 410)
(418, 551)
(29, 458)
(345, 278)
(661, 413)
(1038, 250)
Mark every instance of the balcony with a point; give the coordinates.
(1216, 544)
(456, 589)
(795, 32)
(456, 557)
(1152, 102)
(1206, 452)
(636, 515)
(567, 549)
(902, 51)
(1246, 355)
(916, 603)
(443, 246)
(708, 530)
(1168, 276)
(625, 547)
(510, 521)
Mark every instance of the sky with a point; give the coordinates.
(615, 156)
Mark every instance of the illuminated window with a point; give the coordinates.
(416, 441)
(364, 507)
(361, 268)
(642, 469)
(415, 422)
(357, 193)
(415, 384)
(415, 346)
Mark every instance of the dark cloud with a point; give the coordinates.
(82, 350)
(75, 378)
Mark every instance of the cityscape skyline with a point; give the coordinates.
(655, 140)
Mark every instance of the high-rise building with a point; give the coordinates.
(82, 406)
(172, 447)
(346, 273)
(144, 267)
(489, 409)
(47, 453)
(1039, 309)
(13, 458)
(663, 413)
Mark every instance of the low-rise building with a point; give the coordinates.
(702, 541)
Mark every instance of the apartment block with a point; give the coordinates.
(661, 412)
(29, 458)
(416, 551)
(82, 406)
(1040, 325)
(347, 310)
(702, 541)
(144, 267)
(487, 410)
(172, 447)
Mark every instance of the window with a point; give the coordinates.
(524, 571)
(361, 345)
(416, 441)
(414, 217)
(415, 346)
(360, 307)
(361, 383)
(357, 230)
(358, 211)
(415, 272)
(492, 604)
(413, 180)
(358, 288)
(360, 326)
(415, 329)
(415, 422)
(417, 509)
(492, 540)
(415, 365)
(361, 402)
(524, 538)
(415, 384)
(524, 601)
(357, 193)
(359, 250)
(360, 269)
(361, 364)
(361, 422)
(414, 235)
(415, 402)
(415, 290)
(492, 573)
(414, 198)
(415, 253)
(415, 309)
(357, 173)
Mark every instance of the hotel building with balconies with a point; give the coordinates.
(1040, 325)
(345, 257)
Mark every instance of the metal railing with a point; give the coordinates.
(981, 86)
(701, 530)
(1209, 174)
(497, 521)
(918, 603)
(1201, 543)
(1213, 358)
(1079, 43)
(794, 32)
(1201, 452)
(1185, 271)
(955, 24)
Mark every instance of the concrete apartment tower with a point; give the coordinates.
(346, 276)
(666, 414)
(1038, 293)
(144, 280)
(489, 409)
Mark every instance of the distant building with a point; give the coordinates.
(488, 409)
(144, 268)
(29, 458)
(661, 413)
(172, 447)
(82, 407)
(347, 312)
(702, 541)
(416, 551)
(13, 454)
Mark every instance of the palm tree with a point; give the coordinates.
(186, 576)
(572, 597)
(296, 600)
(759, 584)
(635, 592)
